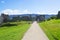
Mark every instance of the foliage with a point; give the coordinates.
(16, 18)
(52, 29)
(5, 17)
(14, 32)
(58, 16)
(53, 17)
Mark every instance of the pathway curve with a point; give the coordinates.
(35, 33)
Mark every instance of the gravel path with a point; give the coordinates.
(35, 33)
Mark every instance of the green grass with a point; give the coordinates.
(14, 32)
(52, 29)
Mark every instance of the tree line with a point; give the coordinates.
(6, 18)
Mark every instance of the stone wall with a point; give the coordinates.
(1, 20)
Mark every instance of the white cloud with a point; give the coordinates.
(42, 13)
(7, 11)
(17, 12)
(27, 11)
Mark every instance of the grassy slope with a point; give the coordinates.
(13, 32)
(52, 29)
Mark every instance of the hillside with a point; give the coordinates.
(33, 15)
(52, 29)
(14, 30)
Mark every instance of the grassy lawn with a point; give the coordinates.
(52, 29)
(15, 31)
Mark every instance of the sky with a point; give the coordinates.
(12, 7)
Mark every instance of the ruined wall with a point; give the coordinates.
(1, 20)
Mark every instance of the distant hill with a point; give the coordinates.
(46, 16)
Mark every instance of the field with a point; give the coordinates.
(52, 29)
(14, 30)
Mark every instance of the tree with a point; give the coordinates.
(30, 17)
(16, 18)
(25, 18)
(5, 17)
(40, 18)
(53, 17)
(58, 16)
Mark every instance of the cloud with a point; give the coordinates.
(18, 12)
(7, 11)
(26, 11)
(15, 11)
(43, 13)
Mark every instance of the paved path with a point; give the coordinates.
(35, 33)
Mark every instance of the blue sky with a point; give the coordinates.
(29, 6)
